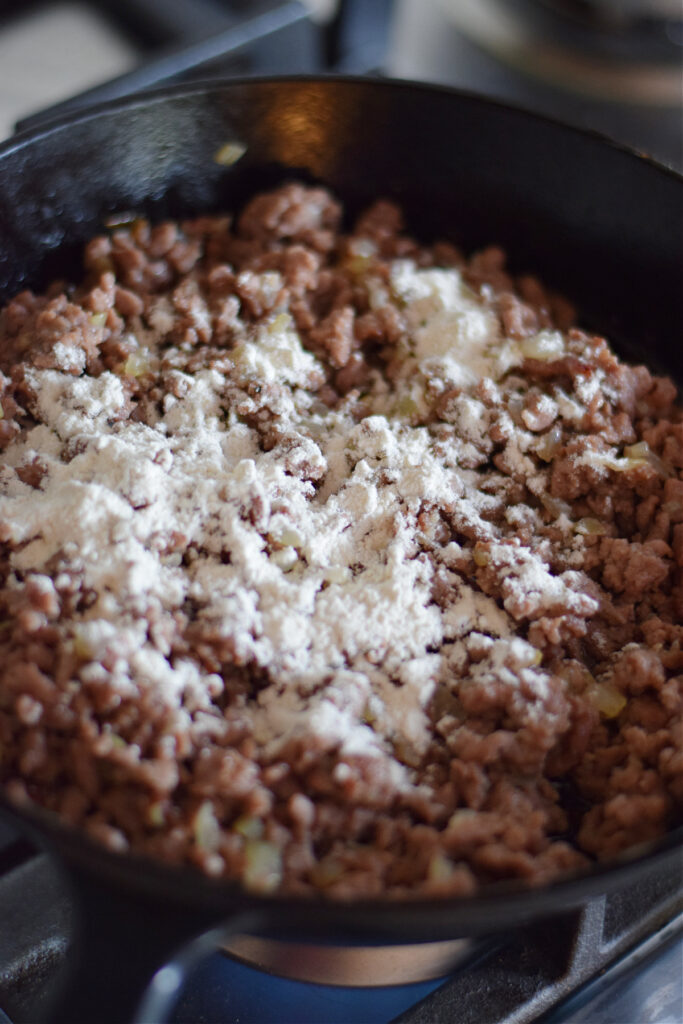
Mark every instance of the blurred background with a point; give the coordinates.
(614, 66)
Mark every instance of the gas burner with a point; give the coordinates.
(351, 966)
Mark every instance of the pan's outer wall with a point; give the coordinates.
(596, 222)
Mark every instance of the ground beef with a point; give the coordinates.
(413, 623)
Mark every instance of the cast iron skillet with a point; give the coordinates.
(596, 221)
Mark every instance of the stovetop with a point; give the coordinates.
(620, 959)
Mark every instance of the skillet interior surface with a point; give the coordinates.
(593, 220)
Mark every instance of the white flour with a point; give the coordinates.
(304, 558)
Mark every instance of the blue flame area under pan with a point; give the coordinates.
(224, 991)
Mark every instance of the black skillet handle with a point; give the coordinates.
(131, 953)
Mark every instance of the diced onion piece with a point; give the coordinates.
(440, 868)
(609, 701)
(361, 253)
(137, 364)
(556, 506)
(590, 527)
(229, 153)
(643, 451)
(2, 412)
(249, 827)
(263, 866)
(155, 814)
(282, 322)
(406, 407)
(337, 574)
(637, 451)
(549, 443)
(611, 461)
(98, 319)
(82, 648)
(239, 356)
(635, 456)
(124, 219)
(357, 265)
(285, 558)
(546, 346)
(207, 832)
(460, 817)
(481, 555)
(368, 716)
(288, 537)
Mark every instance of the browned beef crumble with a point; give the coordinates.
(598, 772)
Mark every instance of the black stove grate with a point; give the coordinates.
(550, 961)
(35, 913)
(210, 40)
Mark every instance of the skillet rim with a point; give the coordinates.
(178, 90)
(77, 848)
